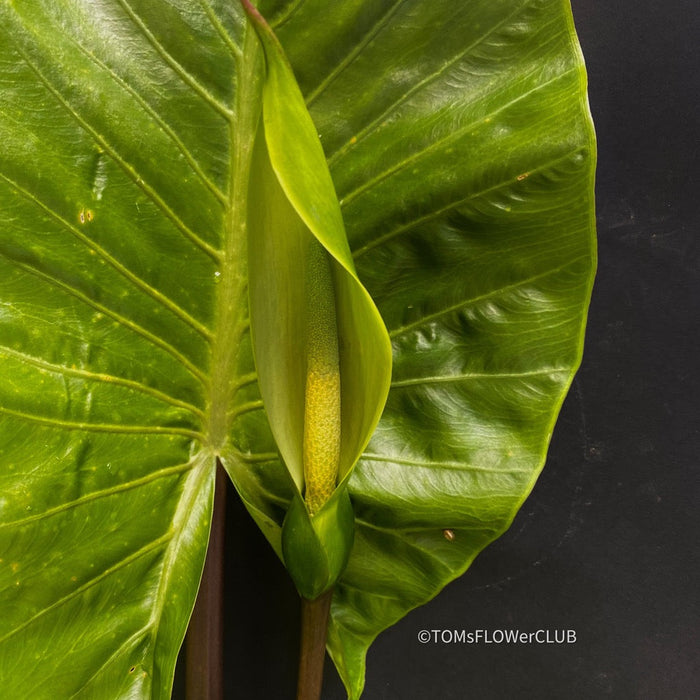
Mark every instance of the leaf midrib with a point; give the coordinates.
(231, 300)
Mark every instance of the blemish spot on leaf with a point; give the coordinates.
(449, 535)
(132, 669)
(85, 216)
(522, 176)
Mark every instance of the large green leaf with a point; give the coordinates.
(460, 146)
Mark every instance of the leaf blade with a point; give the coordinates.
(106, 475)
(467, 187)
(394, 87)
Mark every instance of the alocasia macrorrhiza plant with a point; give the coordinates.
(196, 269)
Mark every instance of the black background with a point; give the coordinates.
(606, 545)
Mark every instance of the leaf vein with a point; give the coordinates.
(100, 427)
(101, 377)
(243, 408)
(221, 30)
(286, 14)
(371, 126)
(167, 129)
(103, 493)
(125, 166)
(131, 641)
(186, 78)
(363, 591)
(448, 465)
(399, 533)
(137, 281)
(487, 295)
(143, 551)
(447, 379)
(354, 53)
(438, 143)
(255, 457)
(381, 240)
(192, 491)
(121, 320)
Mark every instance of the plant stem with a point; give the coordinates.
(204, 644)
(314, 627)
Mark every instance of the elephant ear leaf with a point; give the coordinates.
(460, 144)
(110, 210)
(461, 157)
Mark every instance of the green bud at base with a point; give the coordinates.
(316, 549)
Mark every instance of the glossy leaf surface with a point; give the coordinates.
(464, 168)
(460, 147)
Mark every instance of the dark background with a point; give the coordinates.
(606, 545)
